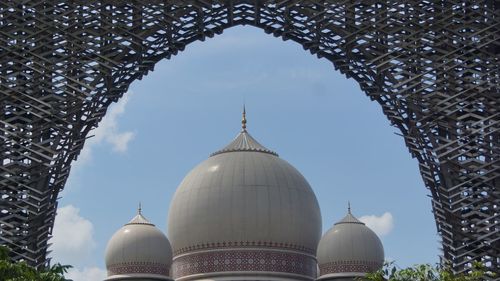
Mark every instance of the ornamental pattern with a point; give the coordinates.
(245, 244)
(349, 266)
(138, 267)
(244, 260)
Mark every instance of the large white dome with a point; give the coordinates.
(244, 209)
(349, 250)
(138, 251)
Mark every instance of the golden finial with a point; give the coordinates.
(244, 119)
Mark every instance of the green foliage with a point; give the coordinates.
(426, 272)
(21, 271)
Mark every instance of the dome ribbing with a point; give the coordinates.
(138, 251)
(244, 142)
(349, 250)
(247, 211)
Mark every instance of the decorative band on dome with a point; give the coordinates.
(349, 266)
(244, 260)
(138, 267)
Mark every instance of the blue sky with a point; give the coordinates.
(190, 106)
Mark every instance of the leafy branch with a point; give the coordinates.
(21, 271)
(426, 272)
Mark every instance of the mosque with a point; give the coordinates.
(243, 214)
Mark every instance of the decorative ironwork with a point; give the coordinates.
(433, 66)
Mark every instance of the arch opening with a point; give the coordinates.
(313, 105)
(441, 94)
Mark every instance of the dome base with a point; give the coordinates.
(342, 276)
(244, 264)
(245, 275)
(138, 277)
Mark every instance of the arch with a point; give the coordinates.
(433, 68)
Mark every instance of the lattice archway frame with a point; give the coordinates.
(432, 66)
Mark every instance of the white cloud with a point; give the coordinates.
(107, 132)
(73, 243)
(86, 274)
(382, 225)
(72, 239)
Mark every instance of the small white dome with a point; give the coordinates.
(348, 250)
(251, 208)
(138, 251)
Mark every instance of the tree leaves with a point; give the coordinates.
(426, 272)
(21, 271)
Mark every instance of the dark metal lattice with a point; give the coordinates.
(433, 66)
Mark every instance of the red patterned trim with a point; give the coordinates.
(245, 244)
(138, 267)
(349, 266)
(244, 260)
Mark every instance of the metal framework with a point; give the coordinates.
(433, 66)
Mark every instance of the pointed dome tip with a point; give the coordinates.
(244, 141)
(349, 218)
(244, 120)
(139, 218)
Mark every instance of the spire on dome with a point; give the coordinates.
(244, 141)
(139, 218)
(244, 119)
(349, 218)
